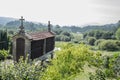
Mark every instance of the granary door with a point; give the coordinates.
(20, 48)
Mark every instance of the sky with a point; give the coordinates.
(63, 12)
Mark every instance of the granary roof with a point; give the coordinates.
(40, 35)
(34, 36)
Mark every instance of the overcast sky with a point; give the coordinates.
(63, 12)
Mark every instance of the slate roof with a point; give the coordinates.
(40, 35)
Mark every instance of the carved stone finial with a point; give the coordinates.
(21, 26)
(49, 28)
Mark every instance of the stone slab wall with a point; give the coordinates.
(27, 45)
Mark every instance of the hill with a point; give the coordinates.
(30, 26)
(4, 20)
(13, 24)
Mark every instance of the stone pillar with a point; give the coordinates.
(28, 48)
(14, 49)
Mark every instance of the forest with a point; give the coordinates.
(85, 53)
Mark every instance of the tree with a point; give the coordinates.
(117, 34)
(107, 35)
(66, 33)
(4, 40)
(91, 40)
(98, 34)
(108, 45)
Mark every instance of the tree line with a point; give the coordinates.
(31, 26)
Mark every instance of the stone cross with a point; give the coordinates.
(21, 26)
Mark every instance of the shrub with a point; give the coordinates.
(108, 45)
(118, 43)
(97, 42)
(3, 54)
(99, 75)
(75, 41)
(117, 34)
(63, 38)
(91, 40)
(114, 66)
(20, 71)
(69, 62)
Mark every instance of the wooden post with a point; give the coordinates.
(52, 55)
(44, 47)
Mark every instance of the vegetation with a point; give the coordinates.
(13, 24)
(62, 35)
(99, 34)
(84, 53)
(3, 54)
(68, 64)
(20, 71)
(4, 40)
(109, 45)
(91, 40)
(118, 34)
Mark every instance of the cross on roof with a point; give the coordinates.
(21, 26)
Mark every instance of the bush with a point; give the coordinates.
(69, 62)
(3, 54)
(108, 45)
(91, 40)
(118, 43)
(20, 71)
(114, 66)
(63, 38)
(99, 75)
(117, 34)
(75, 41)
(97, 42)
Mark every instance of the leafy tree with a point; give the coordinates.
(66, 33)
(97, 42)
(62, 35)
(65, 38)
(4, 40)
(70, 61)
(91, 40)
(114, 67)
(85, 35)
(3, 54)
(107, 35)
(108, 45)
(98, 34)
(118, 34)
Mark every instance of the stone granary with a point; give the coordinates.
(35, 45)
